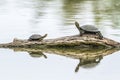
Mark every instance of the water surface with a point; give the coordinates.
(21, 18)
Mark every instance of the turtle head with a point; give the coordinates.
(77, 25)
(45, 35)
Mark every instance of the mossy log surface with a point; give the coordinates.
(86, 41)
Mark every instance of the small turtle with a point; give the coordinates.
(36, 37)
(88, 29)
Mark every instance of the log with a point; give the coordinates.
(76, 41)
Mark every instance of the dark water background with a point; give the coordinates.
(21, 18)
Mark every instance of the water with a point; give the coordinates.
(21, 18)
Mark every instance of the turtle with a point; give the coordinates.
(91, 29)
(36, 37)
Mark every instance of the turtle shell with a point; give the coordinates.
(35, 37)
(89, 28)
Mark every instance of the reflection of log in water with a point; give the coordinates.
(71, 52)
(88, 57)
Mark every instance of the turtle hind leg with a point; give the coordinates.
(100, 35)
(40, 39)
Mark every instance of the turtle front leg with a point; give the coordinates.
(81, 32)
(40, 39)
(100, 35)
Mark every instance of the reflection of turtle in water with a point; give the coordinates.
(88, 29)
(37, 54)
(88, 62)
(36, 37)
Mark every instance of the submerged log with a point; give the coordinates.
(86, 41)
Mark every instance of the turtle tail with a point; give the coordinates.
(44, 36)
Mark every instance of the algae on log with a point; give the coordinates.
(86, 41)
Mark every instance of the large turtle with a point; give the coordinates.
(36, 37)
(88, 29)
